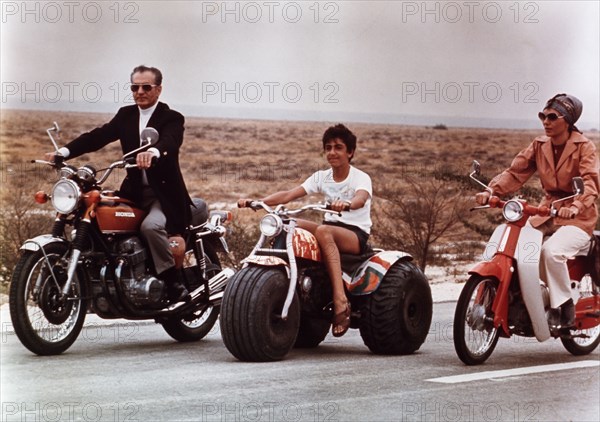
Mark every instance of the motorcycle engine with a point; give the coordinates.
(141, 288)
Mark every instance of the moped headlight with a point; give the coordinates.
(271, 225)
(513, 211)
(65, 196)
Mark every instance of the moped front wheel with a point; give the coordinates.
(251, 324)
(46, 321)
(475, 336)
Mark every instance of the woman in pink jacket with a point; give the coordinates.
(559, 156)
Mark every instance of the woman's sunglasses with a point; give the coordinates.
(550, 116)
(145, 87)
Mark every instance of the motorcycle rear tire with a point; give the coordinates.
(193, 327)
(251, 324)
(584, 346)
(51, 327)
(395, 319)
(462, 330)
(577, 349)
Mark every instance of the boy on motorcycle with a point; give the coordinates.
(348, 190)
(559, 156)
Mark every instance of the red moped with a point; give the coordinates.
(504, 295)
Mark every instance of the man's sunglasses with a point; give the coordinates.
(145, 87)
(550, 116)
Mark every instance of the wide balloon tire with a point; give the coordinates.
(198, 324)
(395, 319)
(251, 324)
(475, 337)
(312, 331)
(46, 324)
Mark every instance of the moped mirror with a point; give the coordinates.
(149, 135)
(476, 167)
(578, 186)
(56, 127)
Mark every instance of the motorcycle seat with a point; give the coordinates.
(350, 262)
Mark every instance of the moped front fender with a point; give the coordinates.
(528, 268)
(367, 278)
(40, 241)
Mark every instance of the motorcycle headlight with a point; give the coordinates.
(65, 196)
(270, 225)
(512, 211)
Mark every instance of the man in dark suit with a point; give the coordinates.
(159, 188)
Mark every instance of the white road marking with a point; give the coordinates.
(515, 372)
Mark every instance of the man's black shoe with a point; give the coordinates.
(176, 291)
(567, 314)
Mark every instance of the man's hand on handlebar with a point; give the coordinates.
(144, 159)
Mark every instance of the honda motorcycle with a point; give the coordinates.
(282, 296)
(95, 261)
(504, 295)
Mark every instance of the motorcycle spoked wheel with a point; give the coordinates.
(251, 324)
(195, 325)
(475, 337)
(580, 346)
(395, 319)
(45, 322)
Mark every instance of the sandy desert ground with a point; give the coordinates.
(223, 160)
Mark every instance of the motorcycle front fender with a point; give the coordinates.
(265, 261)
(367, 278)
(40, 241)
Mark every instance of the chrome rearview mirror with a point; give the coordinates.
(149, 135)
(578, 186)
(476, 167)
(54, 128)
(476, 171)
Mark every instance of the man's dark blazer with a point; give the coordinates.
(164, 176)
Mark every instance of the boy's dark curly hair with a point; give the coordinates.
(342, 133)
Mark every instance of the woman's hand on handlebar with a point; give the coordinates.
(482, 198)
(568, 212)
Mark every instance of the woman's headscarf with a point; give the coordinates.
(568, 106)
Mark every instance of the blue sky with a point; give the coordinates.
(389, 61)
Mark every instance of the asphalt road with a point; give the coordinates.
(135, 372)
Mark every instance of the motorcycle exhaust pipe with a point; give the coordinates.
(215, 284)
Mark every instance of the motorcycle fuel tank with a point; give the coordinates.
(118, 216)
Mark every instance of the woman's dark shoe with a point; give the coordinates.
(554, 318)
(341, 322)
(567, 314)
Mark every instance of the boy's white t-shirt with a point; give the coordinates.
(322, 182)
